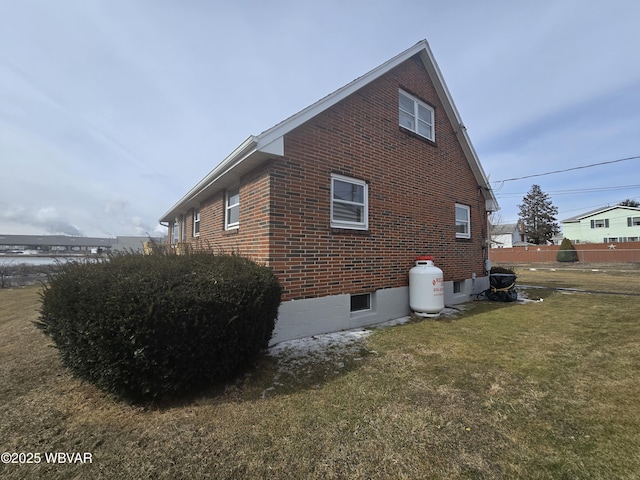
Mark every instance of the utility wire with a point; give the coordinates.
(573, 192)
(567, 169)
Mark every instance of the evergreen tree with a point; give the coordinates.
(567, 252)
(538, 216)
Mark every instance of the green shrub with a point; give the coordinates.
(156, 326)
(567, 252)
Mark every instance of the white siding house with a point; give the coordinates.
(508, 235)
(604, 225)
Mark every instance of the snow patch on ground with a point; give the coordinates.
(318, 345)
(311, 360)
(523, 297)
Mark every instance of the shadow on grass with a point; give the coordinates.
(313, 362)
(285, 372)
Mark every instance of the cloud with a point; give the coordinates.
(45, 218)
(117, 216)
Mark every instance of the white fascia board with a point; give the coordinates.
(271, 141)
(274, 147)
(461, 131)
(188, 200)
(606, 209)
(323, 104)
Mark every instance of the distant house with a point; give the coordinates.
(339, 199)
(615, 224)
(508, 235)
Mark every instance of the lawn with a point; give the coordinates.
(546, 389)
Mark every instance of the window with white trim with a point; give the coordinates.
(600, 223)
(349, 203)
(232, 209)
(633, 221)
(463, 221)
(416, 116)
(196, 222)
(175, 231)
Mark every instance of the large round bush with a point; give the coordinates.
(155, 326)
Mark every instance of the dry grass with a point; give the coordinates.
(542, 390)
(602, 278)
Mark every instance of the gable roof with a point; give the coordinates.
(597, 211)
(256, 149)
(504, 229)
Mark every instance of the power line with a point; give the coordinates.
(585, 208)
(567, 169)
(575, 191)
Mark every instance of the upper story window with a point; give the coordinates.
(232, 209)
(463, 221)
(633, 221)
(415, 115)
(600, 223)
(349, 203)
(196, 222)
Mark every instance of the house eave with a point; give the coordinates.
(460, 130)
(269, 143)
(248, 155)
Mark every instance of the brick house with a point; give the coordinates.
(340, 198)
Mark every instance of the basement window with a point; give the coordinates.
(361, 302)
(457, 286)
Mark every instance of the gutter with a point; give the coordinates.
(245, 149)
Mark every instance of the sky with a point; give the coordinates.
(111, 110)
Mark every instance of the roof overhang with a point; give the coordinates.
(270, 143)
(248, 155)
(593, 213)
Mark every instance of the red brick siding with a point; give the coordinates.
(252, 237)
(413, 187)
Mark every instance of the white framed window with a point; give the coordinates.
(196, 222)
(232, 209)
(349, 203)
(175, 231)
(600, 223)
(463, 221)
(416, 116)
(633, 221)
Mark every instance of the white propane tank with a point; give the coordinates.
(426, 288)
